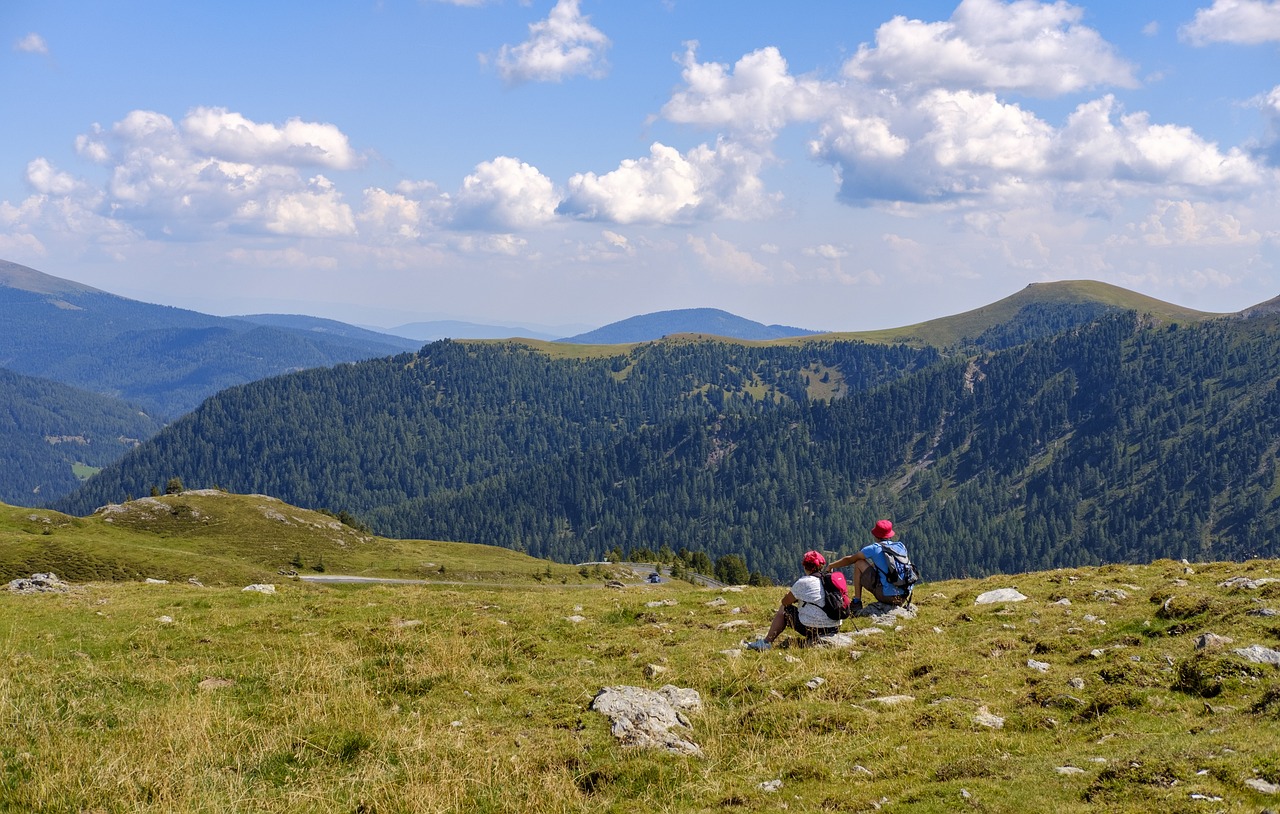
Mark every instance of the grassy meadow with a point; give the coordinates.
(124, 696)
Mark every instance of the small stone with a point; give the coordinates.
(576, 619)
(770, 786)
(815, 682)
(1258, 654)
(862, 770)
(984, 717)
(1261, 786)
(1070, 770)
(652, 671)
(999, 595)
(1212, 641)
(1064, 602)
(215, 683)
(1110, 595)
(1076, 683)
(165, 620)
(1041, 666)
(733, 652)
(151, 581)
(892, 700)
(1264, 612)
(736, 623)
(717, 602)
(259, 588)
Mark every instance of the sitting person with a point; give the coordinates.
(870, 566)
(801, 608)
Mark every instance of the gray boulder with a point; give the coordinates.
(647, 719)
(39, 584)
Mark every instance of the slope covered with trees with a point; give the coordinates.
(1052, 443)
(52, 435)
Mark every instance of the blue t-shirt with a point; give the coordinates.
(875, 554)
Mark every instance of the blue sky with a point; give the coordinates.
(833, 165)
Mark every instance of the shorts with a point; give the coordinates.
(793, 621)
(870, 578)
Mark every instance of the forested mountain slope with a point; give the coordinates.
(1126, 438)
(49, 431)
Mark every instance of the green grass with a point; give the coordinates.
(476, 698)
(220, 538)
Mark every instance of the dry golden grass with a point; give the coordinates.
(457, 698)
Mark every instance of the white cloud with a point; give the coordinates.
(563, 45)
(1025, 46)
(669, 187)
(316, 211)
(214, 172)
(505, 194)
(1193, 223)
(218, 131)
(944, 146)
(46, 180)
(390, 214)
(500, 244)
(33, 43)
(826, 251)
(1244, 22)
(726, 260)
(758, 96)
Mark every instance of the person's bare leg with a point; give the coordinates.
(859, 569)
(778, 624)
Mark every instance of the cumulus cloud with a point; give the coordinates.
(946, 146)
(563, 45)
(670, 187)
(726, 260)
(1035, 48)
(214, 171)
(505, 194)
(1193, 223)
(317, 211)
(757, 96)
(33, 43)
(218, 131)
(1244, 22)
(390, 214)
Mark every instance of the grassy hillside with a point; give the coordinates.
(947, 331)
(220, 538)
(133, 697)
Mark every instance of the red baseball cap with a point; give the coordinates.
(882, 530)
(814, 558)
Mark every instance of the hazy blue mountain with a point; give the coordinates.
(395, 343)
(167, 360)
(708, 321)
(434, 330)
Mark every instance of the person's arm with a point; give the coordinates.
(849, 559)
(789, 599)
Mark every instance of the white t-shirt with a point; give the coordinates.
(808, 590)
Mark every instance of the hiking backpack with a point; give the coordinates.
(835, 596)
(899, 572)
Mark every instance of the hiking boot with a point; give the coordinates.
(759, 644)
(855, 605)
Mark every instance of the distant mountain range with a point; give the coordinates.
(165, 360)
(434, 330)
(700, 321)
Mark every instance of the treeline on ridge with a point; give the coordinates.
(1115, 440)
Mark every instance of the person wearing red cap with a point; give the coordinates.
(801, 608)
(869, 565)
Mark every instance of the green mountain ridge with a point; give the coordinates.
(1070, 433)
